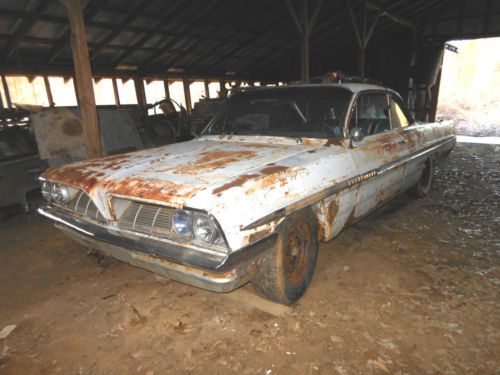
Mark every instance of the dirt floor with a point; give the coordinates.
(412, 289)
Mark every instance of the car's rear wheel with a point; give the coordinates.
(423, 185)
(288, 269)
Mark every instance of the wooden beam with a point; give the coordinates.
(174, 9)
(136, 12)
(207, 90)
(166, 88)
(116, 93)
(140, 92)
(48, 90)
(8, 100)
(24, 26)
(83, 75)
(305, 24)
(222, 89)
(390, 15)
(64, 42)
(187, 95)
(75, 86)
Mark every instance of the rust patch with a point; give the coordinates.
(257, 145)
(72, 127)
(333, 209)
(352, 216)
(312, 142)
(240, 180)
(152, 190)
(321, 231)
(334, 142)
(211, 160)
(258, 235)
(273, 169)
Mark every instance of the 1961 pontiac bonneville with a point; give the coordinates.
(275, 172)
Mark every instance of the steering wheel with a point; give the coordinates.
(328, 128)
(372, 127)
(325, 127)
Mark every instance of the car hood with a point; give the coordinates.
(172, 174)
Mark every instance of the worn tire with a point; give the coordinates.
(423, 185)
(288, 269)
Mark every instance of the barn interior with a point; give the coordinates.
(413, 288)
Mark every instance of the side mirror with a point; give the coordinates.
(356, 136)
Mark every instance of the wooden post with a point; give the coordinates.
(207, 90)
(140, 92)
(116, 93)
(167, 89)
(8, 101)
(305, 24)
(187, 95)
(48, 90)
(222, 90)
(83, 76)
(77, 95)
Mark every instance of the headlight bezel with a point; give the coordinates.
(218, 239)
(56, 193)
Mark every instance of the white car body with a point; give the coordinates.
(249, 184)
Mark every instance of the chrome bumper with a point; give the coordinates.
(215, 272)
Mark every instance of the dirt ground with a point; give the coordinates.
(412, 289)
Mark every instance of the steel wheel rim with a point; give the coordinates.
(297, 252)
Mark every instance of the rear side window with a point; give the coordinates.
(398, 117)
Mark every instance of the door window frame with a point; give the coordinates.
(353, 111)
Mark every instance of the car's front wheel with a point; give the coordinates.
(288, 269)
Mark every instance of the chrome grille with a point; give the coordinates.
(83, 205)
(147, 218)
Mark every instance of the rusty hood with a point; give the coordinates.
(172, 174)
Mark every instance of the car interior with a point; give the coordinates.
(371, 114)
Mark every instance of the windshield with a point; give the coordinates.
(311, 112)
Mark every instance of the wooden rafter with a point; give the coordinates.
(148, 36)
(138, 8)
(64, 43)
(23, 27)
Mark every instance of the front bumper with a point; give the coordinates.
(211, 271)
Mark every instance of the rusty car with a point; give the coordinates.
(275, 172)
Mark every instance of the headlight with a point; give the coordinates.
(204, 228)
(197, 225)
(60, 193)
(182, 223)
(47, 190)
(57, 193)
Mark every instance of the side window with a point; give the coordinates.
(371, 114)
(398, 117)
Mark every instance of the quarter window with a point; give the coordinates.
(398, 117)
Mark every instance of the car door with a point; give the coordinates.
(401, 120)
(377, 155)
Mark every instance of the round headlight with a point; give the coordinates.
(47, 191)
(182, 223)
(60, 193)
(204, 228)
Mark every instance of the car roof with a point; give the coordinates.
(352, 87)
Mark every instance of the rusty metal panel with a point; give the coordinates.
(59, 133)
